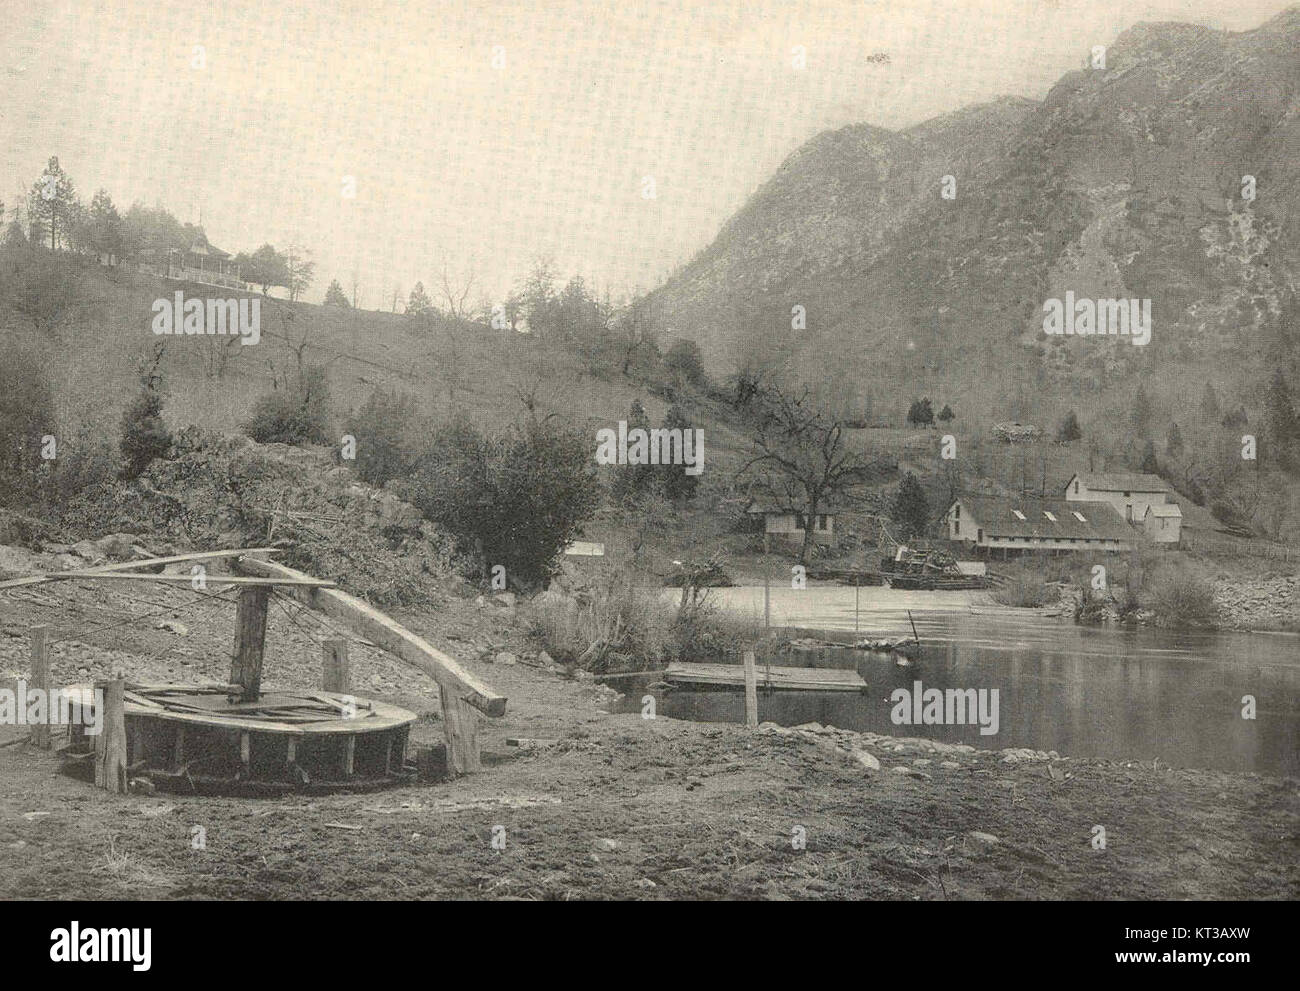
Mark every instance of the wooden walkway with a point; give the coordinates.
(777, 678)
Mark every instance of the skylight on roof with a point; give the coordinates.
(1019, 515)
(1079, 516)
(1049, 516)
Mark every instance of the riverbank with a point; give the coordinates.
(619, 806)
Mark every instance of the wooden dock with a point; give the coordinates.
(771, 678)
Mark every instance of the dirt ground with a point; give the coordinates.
(620, 806)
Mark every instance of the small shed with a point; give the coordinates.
(1163, 524)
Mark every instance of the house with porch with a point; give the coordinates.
(201, 261)
(1014, 525)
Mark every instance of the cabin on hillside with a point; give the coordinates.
(783, 525)
(1129, 492)
(1015, 525)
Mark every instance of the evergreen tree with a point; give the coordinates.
(909, 509)
(1280, 413)
(1141, 412)
(1149, 462)
(677, 485)
(1174, 441)
(53, 206)
(631, 481)
(419, 302)
(334, 295)
(946, 415)
(1069, 430)
(1210, 412)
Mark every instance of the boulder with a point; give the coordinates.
(866, 760)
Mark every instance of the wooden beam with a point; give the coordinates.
(335, 663)
(250, 642)
(389, 635)
(187, 579)
(148, 562)
(110, 744)
(460, 726)
(41, 680)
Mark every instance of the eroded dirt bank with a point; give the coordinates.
(626, 807)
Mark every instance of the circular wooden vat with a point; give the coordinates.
(204, 739)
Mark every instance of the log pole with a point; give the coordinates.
(110, 744)
(751, 691)
(41, 680)
(335, 666)
(250, 642)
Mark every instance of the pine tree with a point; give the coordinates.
(1210, 412)
(419, 302)
(677, 485)
(1069, 430)
(946, 414)
(334, 296)
(53, 204)
(1174, 441)
(1141, 412)
(631, 481)
(1149, 463)
(1280, 413)
(909, 509)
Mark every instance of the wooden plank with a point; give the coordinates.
(250, 642)
(808, 679)
(335, 662)
(148, 562)
(460, 726)
(751, 691)
(209, 579)
(41, 680)
(110, 744)
(388, 635)
(349, 755)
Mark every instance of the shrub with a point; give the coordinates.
(1027, 594)
(296, 416)
(144, 435)
(1183, 601)
(382, 428)
(686, 362)
(516, 499)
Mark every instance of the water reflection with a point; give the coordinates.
(1084, 692)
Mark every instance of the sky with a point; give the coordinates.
(482, 136)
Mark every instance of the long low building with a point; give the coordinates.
(1034, 524)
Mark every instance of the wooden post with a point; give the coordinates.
(250, 641)
(460, 723)
(41, 680)
(335, 660)
(751, 691)
(857, 589)
(767, 599)
(110, 744)
(349, 755)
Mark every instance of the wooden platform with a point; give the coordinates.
(771, 678)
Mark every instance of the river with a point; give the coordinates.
(1102, 692)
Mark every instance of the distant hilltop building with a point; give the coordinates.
(201, 262)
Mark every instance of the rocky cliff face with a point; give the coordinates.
(1127, 181)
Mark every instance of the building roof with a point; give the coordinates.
(1120, 481)
(1171, 510)
(772, 506)
(997, 516)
